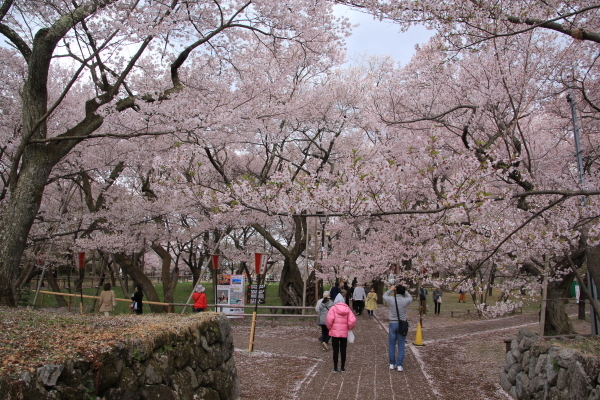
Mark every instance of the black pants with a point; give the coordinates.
(339, 346)
(437, 307)
(359, 306)
(324, 334)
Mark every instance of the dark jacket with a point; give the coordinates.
(334, 291)
(137, 298)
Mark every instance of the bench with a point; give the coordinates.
(458, 312)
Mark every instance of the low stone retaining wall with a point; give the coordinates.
(194, 362)
(553, 369)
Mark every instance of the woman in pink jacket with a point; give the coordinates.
(340, 319)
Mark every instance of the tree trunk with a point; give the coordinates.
(593, 265)
(139, 277)
(169, 278)
(291, 285)
(244, 270)
(60, 300)
(379, 289)
(557, 320)
(17, 220)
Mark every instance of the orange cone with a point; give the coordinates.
(419, 336)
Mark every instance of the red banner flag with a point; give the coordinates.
(260, 262)
(81, 259)
(215, 260)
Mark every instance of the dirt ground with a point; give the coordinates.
(462, 358)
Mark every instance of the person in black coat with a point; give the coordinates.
(137, 299)
(335, 290)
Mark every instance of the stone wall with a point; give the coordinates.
(538, 368)
(195, 362)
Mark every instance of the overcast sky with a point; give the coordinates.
(375, 37)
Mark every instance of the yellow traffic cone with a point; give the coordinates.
(419, 336)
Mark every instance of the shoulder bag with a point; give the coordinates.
(402, 325)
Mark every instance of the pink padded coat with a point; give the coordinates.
(340, 320)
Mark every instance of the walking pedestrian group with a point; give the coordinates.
(337, 320)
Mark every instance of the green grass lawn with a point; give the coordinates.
(184, 289)
(182, 293)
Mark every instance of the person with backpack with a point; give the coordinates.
(322, 308)
(398, 299)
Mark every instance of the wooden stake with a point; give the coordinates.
(251, 341)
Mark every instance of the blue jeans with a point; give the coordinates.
(396, 338)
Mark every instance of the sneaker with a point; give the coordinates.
(400, 369)
(392, 366)
(343, 369)
(325, 346)
(334, 370)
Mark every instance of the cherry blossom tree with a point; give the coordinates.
(134, 55)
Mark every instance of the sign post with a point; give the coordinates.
(215, 268)
(80, 262)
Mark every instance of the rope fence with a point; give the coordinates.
(273, 309)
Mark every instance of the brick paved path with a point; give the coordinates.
(289, 363)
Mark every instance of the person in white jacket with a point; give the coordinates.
(358, 299)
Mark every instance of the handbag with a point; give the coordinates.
(439, 299)
(402, 325)
(350, 337)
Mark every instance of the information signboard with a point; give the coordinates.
(256, 293)
(230, 292)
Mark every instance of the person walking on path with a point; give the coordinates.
(462, 297)
(323, 307)
(398, 300)
(199, 298)
(358, 299)
(371, 303)
(340, 320)
(345, 292)
(107, 301)
(137, 299)
(335, 290)
(437, 300)
(423, 300)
